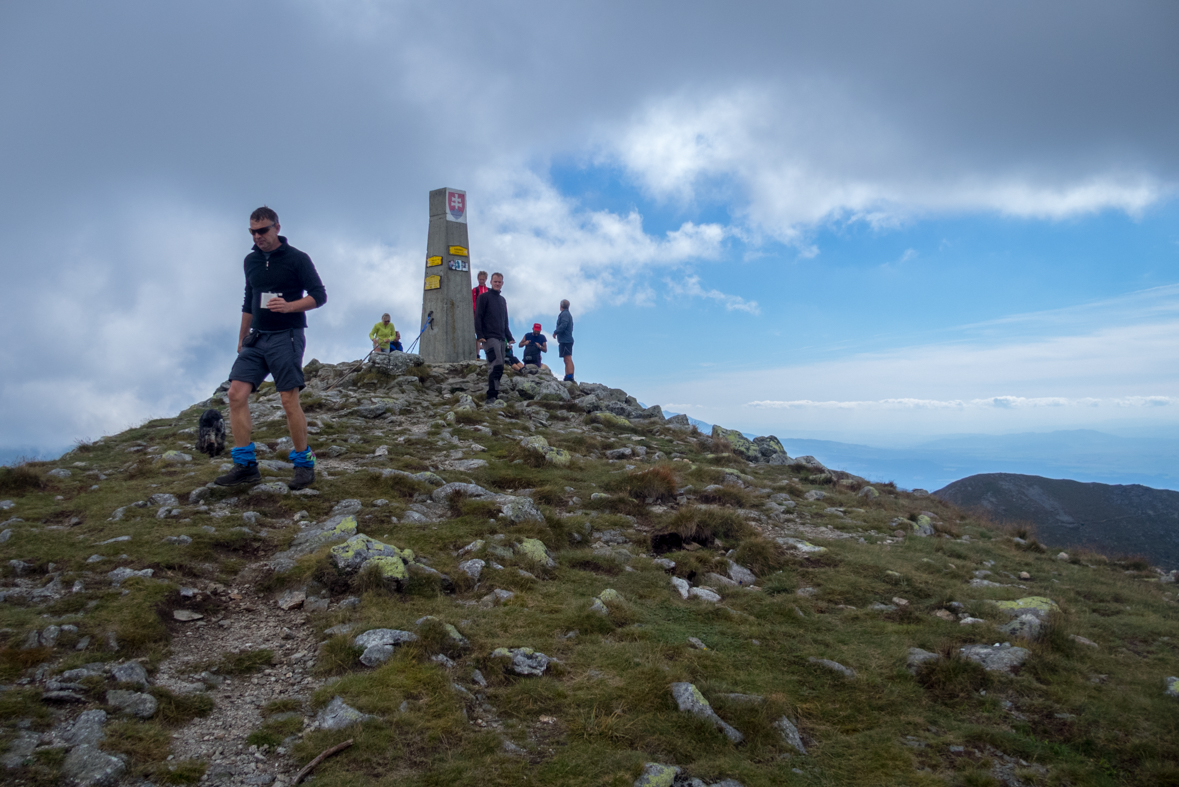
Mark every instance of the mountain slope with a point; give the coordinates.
(562, 589)
(1117, 519)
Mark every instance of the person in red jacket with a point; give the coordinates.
(476, 292)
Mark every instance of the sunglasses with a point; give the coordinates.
(260, 231)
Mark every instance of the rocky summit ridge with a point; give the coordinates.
(563, 587)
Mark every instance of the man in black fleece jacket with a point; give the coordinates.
(271, 341)
(491, 328)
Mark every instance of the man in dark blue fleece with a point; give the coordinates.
(491, 328)
(281, 284)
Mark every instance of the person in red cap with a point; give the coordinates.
(534, 344)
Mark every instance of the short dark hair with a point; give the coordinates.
(497, 273)
(264, 214)
(481, 273)
(565, 304)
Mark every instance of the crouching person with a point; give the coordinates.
(281, 284)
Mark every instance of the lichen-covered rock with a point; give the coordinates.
(553, 455)
(610, 597)
(1171, 686)
(353, 554)
(1037, 606)
(608, 419)
(523, 661)
(769, 446)
(535, 550)
(742, 446)
(657, 775)
(868, 493)
(689, 700)
(798, 545)
(923, 526)
(453, 635)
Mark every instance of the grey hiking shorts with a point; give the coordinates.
(277, 354)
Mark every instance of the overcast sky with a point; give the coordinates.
(860, 221)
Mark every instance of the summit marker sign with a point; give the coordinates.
(456, 205)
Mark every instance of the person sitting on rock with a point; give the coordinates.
(395, 343)
(511, 361)
(534, 344)
(382, 333)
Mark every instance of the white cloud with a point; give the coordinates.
(1001, 402)
(690, 286)
(797, 158)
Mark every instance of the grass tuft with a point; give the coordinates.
(18, 479)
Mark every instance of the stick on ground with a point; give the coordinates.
(322, 756)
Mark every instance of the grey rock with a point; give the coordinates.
(130, 672)
(1004, 658)
(316, 604)
(60, 472)
(814, 494)
(89, 767)
(86, 729)
(375, 655)
(1023, 627)
(292, 599)
(338, 715)
(523, 661)
(472, 568)
(346, 507)
(704, 594)
(272, 488)
(122, 573)
(741, 575)
(115, 540)
(135, 703)
(834, 666)
(62, 696)
(186, 615)
(384, 637)
(49, 636)
(443, 493)
(178, 540)
(917, 657)
(5, 535)
(358, 550)
(689, 700)
(789, 734)
(163, 499)
(681, 586)
(20, 750)
(519, 509)
(619, 453)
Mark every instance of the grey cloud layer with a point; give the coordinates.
(139, 134)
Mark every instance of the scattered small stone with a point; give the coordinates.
(186, 615)
(690, 700)
(338, 715)
(524, 661)
(696, 643)
(789, 732)
(834, 666)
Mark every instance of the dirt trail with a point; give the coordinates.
(249, 622)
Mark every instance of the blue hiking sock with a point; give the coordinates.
(244, 456)
(304, 458)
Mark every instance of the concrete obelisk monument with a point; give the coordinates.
(446, 299)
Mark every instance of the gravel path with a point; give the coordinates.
(249, 622)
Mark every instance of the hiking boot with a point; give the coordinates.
(240, 474)
(304, 477)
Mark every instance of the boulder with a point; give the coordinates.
(681, 586)
(442, 494)
(353, 554)
(689, 700)
(768, 446)
(535, 550)
(523, 661)
(789, 734)
(135, 703)
(656, 775)
(1036, 606)
(21, 749)
(338, 715)
(1023, 627)
(86, 729)
(131, 672)
(741, 575)
(742, 446)
(917, 657)
(86, 766)
(384, 637)
(1000, 658)
(834, 666)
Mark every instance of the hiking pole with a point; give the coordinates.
(429, 319)
(347, 374)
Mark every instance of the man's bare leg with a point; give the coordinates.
(239, 413)
(568, 365)
(296, 420)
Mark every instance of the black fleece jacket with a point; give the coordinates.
(286, 271)
(491, 317)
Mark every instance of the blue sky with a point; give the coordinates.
(873, 223)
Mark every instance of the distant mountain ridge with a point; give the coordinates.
(1127, 519)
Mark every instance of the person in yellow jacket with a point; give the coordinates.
(382, 333)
